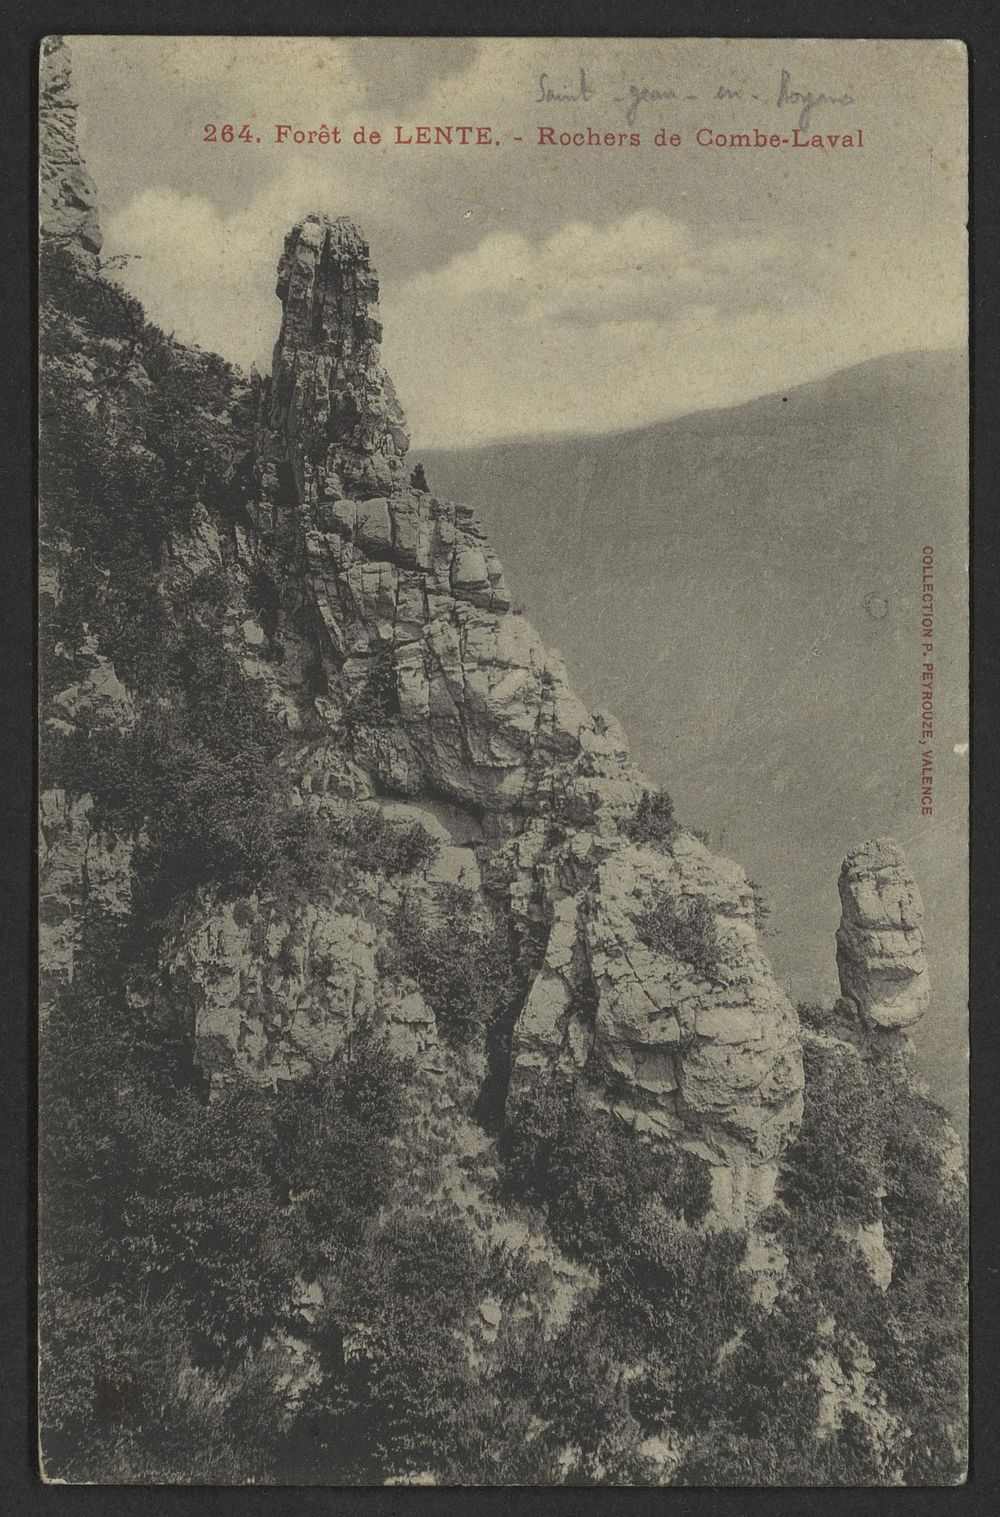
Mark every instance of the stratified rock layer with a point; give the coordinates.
(880, 942)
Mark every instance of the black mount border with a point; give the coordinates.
(973, 21)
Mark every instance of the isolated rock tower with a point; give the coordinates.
(880, 941)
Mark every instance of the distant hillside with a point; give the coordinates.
(741, 588)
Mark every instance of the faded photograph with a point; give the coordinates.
(463, 1062)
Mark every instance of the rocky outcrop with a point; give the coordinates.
(274, 997)
(443, 691)
(394, 633)
(67, 199)
(438, 689)
(880, 942)
(692, 1045)
(885, 989)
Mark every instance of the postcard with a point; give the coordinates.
(503, 778)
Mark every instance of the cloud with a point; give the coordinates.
(200, 274)
(595, 325)
(528, 289)
(603, 326)
(209, 276)
(643, 266)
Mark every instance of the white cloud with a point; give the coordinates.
(594, 326)
(209, 276)
(640, 266)
(598, 327)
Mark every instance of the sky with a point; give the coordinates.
(534, 289)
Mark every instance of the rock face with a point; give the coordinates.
(880, 943)
(436, 701)
(276, 997)
(437, 688)
(67, 199)
(82, 867)
(453, 696)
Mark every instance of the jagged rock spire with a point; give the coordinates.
(330, 396)
(438, 688)
(880, 942)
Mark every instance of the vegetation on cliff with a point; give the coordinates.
(327, 1278)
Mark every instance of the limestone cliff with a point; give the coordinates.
(435, 689)
(319, 808)
(389, 624)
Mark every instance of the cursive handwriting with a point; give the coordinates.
(639, 94)
(806, 99)
(547, 95)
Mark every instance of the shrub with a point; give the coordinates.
(761, 909)
(676, 1298)
(591, 1174)
(375, 843)
(199, 775)
(377, 700)
(119, 1393)
(69, 287)
(584, 1398)
(684, 929)
(334, 1133)
(834, 1164)
(653, 820)
(866, 1131)
(396, 1367)
(462, 963)
(835, 1020)
(146, 1191)
(193, 1218)
(123, 460)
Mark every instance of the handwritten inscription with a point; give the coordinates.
(787, 91)
(805, 99)
(642, 94)
(549, 96)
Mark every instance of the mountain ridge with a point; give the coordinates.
(953, 361)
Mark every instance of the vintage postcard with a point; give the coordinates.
(464, 1062)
